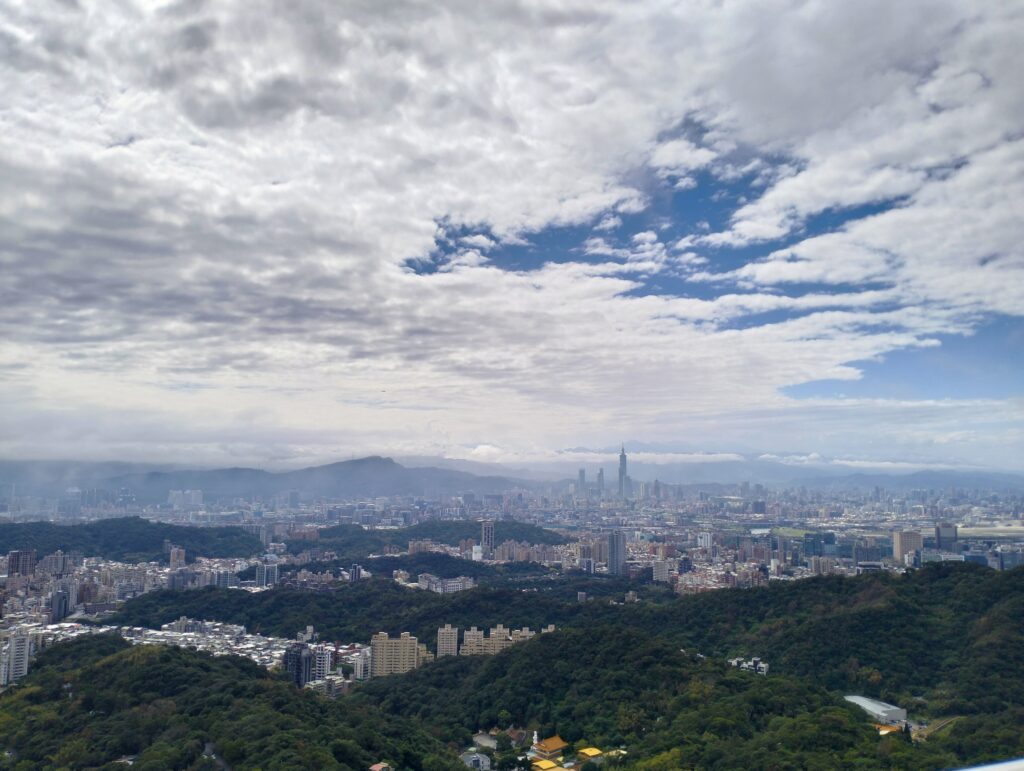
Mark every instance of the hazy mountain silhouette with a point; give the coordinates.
(365, 477)
(378, 476)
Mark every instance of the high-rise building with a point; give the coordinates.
(945, 536)
(361, 665)
(705, 541)
(487, 538)
(266, 573)
(177, 557)
(56, 564)
(60, 606)
(472, 642)
(600, 483)
(15, 657)
(395, 655)
(21, 563)
(904, 542)
(298, 663)
(617, 553)
(661, 571)
(355, 573)
(622, 472)
(522, 635)
(323, 661)
(497, 640)
(447, 641)
(581, 483)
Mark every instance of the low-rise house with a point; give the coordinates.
(550, 748)
(477, 760)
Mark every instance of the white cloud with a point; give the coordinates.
(678, 157)
(227, 195)
(478, 241)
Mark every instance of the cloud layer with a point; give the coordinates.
(269, 230)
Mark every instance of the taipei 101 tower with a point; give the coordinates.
(622, 472)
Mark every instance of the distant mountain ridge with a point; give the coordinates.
(370, 477)
(381, 476)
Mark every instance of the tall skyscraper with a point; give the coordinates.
(487, 538)
(622, 472)
(617, 553)
(581, 483)
(600, 483)
(447, 641)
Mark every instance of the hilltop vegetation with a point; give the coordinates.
(615, 686)
(442, 565)
(94, 700)
(133, 539)
(945, 640)
(952, 631)
(354, 612)
(129, 539)
(446, 566)
(451, 532)
(356, 541)
(942, 641)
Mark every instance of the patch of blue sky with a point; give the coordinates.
(985, 365)
(671, 213)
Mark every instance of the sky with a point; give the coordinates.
(279, 232)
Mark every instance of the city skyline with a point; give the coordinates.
(717, 233)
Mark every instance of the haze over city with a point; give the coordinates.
(516, 233)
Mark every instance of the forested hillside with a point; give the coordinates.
(944, 641)
(354, 612)
(136, 539)
(95, 700)
(352, 542)
(613, 686)
(451, 532)
(952, 630)
(131, 539)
